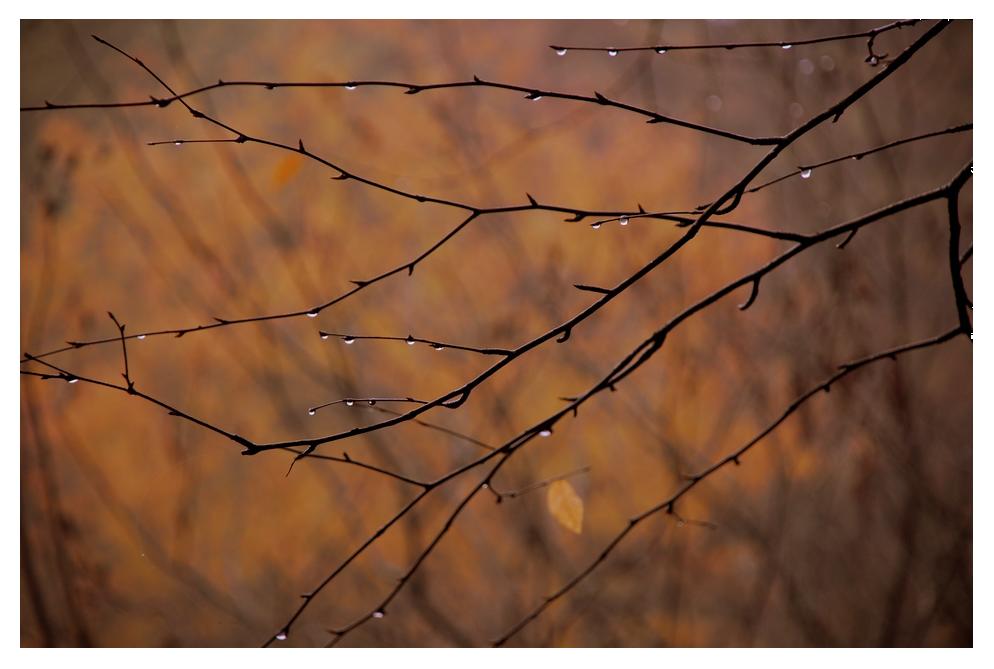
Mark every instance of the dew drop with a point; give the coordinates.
(806, 173)
(73, 380)
(141, 336)
(311, 412)
(350, 86)
(281, 636)
(372, 403)
(623, 220)
(349, 403)
(312, 314)
(612, 52)
(324, 336)
(535, 98)
(178, 143)
(596, 226)
(560, 52)
(348, 339)
(484, 486)
(410, 340)
(545, 433)
(438, 347)
(786, 46)
(660, 51)
(873, 61)
(378, 614)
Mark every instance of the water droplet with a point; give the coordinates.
(545, 433)
(178, 143)
(348, 339)
(378, 614)
(623, 220)
(438, 347)
(349, 403)
(806, 173)
(372, 403)
(560, 52)
(312, 314)
(350, 86)
(281, 636)
(141, 336)
(874, 60)
(484, 486)
(311, 412)
(596, 226)
(410, 340)
(786, 46)
(73, 380)
(660, 51)
(612, 52)
(534, 97)
(324, 336)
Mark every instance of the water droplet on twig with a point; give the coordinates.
(560, 52)
(612, 52)
(806, 173)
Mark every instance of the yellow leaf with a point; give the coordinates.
(286, 169)
(566, 506)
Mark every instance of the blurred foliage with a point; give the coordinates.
(850, 525)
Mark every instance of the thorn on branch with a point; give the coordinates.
(752, 295)
(532, 200)
(591, 289)
(841, 245)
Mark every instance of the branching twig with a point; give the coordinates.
(562, 50)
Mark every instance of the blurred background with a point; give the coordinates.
(850, 525)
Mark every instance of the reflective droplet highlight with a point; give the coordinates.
(349, 403)
(324, 336)
(612, 52)
(545, 433)
(560, 52)
(73, 380)
(281, 636)
(596, 226)
(311, 412)
(141, 337)
(350, 86)
(378, 614)
(786, 46)
(410, 340)
(438, 347)
(348, 339)
(660, 51)
(312, 314)
(177, 143)
(806, 173)
(623, 220)
(372, 403)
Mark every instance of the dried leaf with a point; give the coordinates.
(286, 169)
(566, 506)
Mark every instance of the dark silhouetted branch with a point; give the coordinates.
(871, 34)
(669, 504)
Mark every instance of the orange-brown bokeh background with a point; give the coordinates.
(850, 525)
